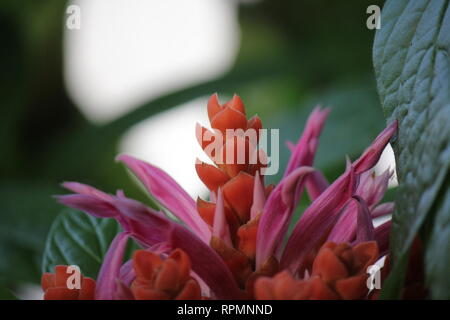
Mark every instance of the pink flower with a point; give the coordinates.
(239, 235)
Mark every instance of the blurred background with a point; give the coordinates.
(135, 77)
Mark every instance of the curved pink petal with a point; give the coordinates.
(85, 189)
(92, 201)
(383, 209)
(259, 197)
(169, 193)
(221, 229)
(110, 270)
(305, 149)
(316, 183)
(89, 204)
(372, 154)
(317, 220)
(365, 229)
(371, 189)
(127, 274)
(277, 214)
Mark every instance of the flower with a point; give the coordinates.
(238, 236)
(338, 272)
(163, 279)
(55, 286)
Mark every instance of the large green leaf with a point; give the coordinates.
(76, 238)
(411, 59)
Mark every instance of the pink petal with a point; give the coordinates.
(317, 220)
(110, 269)
(292, 183)
(365, 230)
(372, 154)
(303, 152)
(166, 191)
(89, 204)
(383, 209)
(259, 197)
(126, 274)
(371, 189)
(86, 190)
(146, 225)
(316, 183)
(345, 228)
(290, 146)
(277, 214)
(221, 229)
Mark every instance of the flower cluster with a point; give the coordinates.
(235, 245)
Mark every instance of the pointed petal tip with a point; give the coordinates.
(259, 197)
(221, 229)
(123, 157)
(365, 229)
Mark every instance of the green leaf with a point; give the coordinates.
(76, 238)
(412, 65)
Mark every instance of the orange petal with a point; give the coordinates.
(206, 210)
(236, 261)
(328, 266)
(267, 269)
(184, 264)
(87, 291)
(61, 276)
(229, 118)
(255, 124)
(236, 104)
(145, 293)
(211, 176)
(145, 264)
(191, 291)
(168, 278)
(234, 155)
(352, 288)
(238, 193)
(260, 162)
(213, 106)
(321, 291)
(205, 137)
(284, 286)
(365, 254)
(247, 238)
(264, 289)
(61, 293)
(303, 290)
(47, 281)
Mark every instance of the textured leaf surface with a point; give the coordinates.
(76, 238)
(411, 59)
